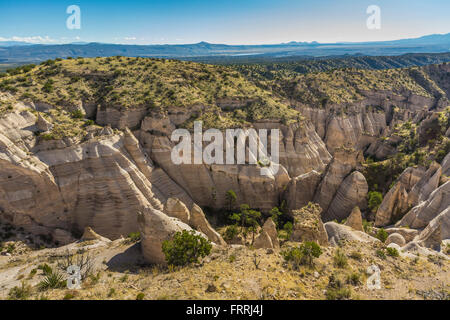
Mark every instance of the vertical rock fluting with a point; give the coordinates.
(351, 193)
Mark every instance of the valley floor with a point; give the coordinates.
(234, 272)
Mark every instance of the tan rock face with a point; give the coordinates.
(263, 241)
(421, 215)
(354, 220)
(343, 163)
(395, 202)
(407, 234)
(156, 227)
(308, 225)
(337, 232)
(43, 125)
(437, 230)
(301, 190)
(352, 192)
(177, 209)
(199, 222)
(90, 234)
(396, 238)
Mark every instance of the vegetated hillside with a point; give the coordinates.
(305, 64)
(348, 85)
(132, 82)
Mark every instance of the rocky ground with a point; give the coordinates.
(231, 272)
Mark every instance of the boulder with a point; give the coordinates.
(263, 241)
(396, 238)
(337, 232)
(198, 222)
(354, 220)
(156, 227)
(43, 125)
(308, 225)
(89, 234)
(352, 192)
(406, 233)
(177, 209)
(271, 229)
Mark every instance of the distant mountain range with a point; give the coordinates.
(19, 52)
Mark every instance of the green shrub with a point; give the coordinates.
(53, 280)
(340, 259)
(68, 296)
(134, 237)
(382, 235)
(231, 232)
(186, 247)
(374, 200)
(288, 227)
(140, 296)
(354, 279)
(336, 289)
(77, 114)
(20, 293)
(356, 255)
(393, 252)
(303, 255)
(380, 254)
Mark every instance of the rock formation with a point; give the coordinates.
(337, 232)
(352, 192)
(308, 225)
(354, 220)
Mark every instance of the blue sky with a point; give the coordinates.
(217, 21)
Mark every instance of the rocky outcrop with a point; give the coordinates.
(43, 125)
(354, 220)
(269, 230)
(177, 209)
(427, 184)
(338, 232)
(406, 233)
(342, 164)
(437, 230)
(446, 164)
(301, 189)
(156, 227)
(396, 238)
(352, 192)
(90, 235)
(395, 203)
(199, 222)
(263, 241)
(308, 225)
(419, 216)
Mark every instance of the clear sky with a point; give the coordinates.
(218, 21)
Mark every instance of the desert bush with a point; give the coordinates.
(83, 260)
(231, 232)
(140, 296)
(340, 259)
(354, 279)
(20, 293)
(393, 252)
(53, 280)
(382, 235)
(185, 248)
(374, 200)
(336, 289)
(303, 255)
(380, 254)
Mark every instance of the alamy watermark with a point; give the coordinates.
(74, 20)
(235, 147)
(373, 22)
